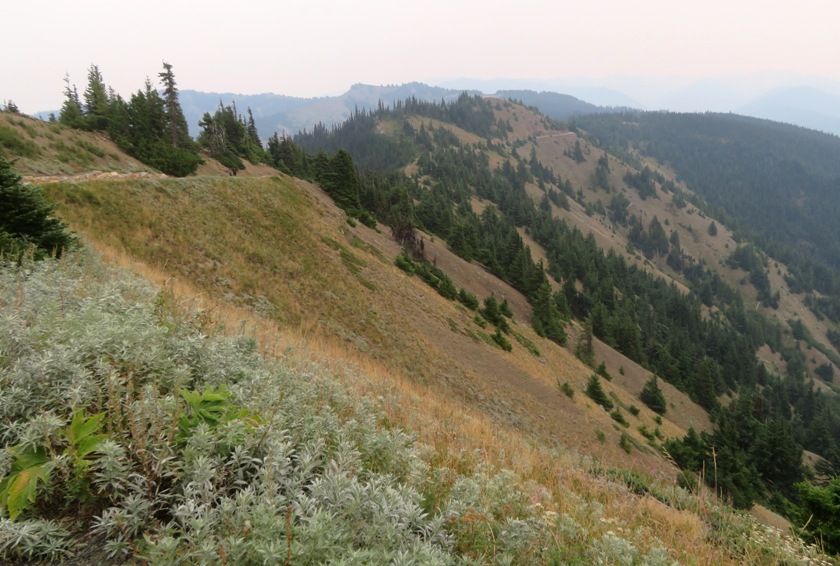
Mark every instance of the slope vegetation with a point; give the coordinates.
(273, 257)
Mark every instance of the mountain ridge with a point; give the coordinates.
(196, 244)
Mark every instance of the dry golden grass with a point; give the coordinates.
(274, 258)
(458, 437)
(41, 148)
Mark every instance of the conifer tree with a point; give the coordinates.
(26, 218)
(177, 131)
(341, 181)
(595, 392)
(71, 111)
(251, 128)
(713, 229)
(584, 349)
(653, 397)
(96, 101)
(547, 320)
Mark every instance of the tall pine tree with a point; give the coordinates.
(177, 131)
(96, 101)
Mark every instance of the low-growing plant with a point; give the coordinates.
(645, 431)
(501, 341)
(602, 371)
(566, 389)
(618, 417)
(527, 344)
(625, 442)
(468, 299)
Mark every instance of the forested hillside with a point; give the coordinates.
(581, 299)
(412, 155)
(776, 184)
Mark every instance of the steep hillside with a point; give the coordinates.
(41, 149)
(279, 247)
(273, 256)
(624, 251)
(282, 252)
(46, 152)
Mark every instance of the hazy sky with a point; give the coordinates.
(312, 48)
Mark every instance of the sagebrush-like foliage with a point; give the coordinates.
(151, 438)
(178, 446)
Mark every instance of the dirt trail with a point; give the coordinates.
(91, 175)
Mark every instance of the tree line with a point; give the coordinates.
(645, 318)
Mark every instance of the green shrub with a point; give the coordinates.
(595, 392)
(618, 417)
(566, 389)
(501, 341)
(11, 141)
(404, 263)
(124, 420)
(644, 431)
(821, 513)
(653, 397)
(468, 299)
(625, 443)
(602, 371)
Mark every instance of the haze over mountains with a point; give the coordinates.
(618, 273)
(801, 101)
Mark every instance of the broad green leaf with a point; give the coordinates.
(18, 489)
(89, 444)
(81, 427)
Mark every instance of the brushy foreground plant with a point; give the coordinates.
(134, 433)
(129, 429)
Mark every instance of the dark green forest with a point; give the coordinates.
(642, 316)
(775, 184)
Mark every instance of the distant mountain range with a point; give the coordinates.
(288, 115)
(802, 106)
(816, 105)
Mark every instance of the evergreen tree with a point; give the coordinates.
(71, 111)
(777, 455)
(490, 311)
(251, 127)
(584, 349)
(703, 385)
(148, 135)
(26, 218)
(341, 181)
(96, 101)
(177, 132)
(713, 230)
(653, 397)
(658, 237)
(577, 153)
(547, 320)
(595, 392)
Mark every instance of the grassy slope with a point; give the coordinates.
(240, 245)
(531, 130)
(42, 148)
(274, 251)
